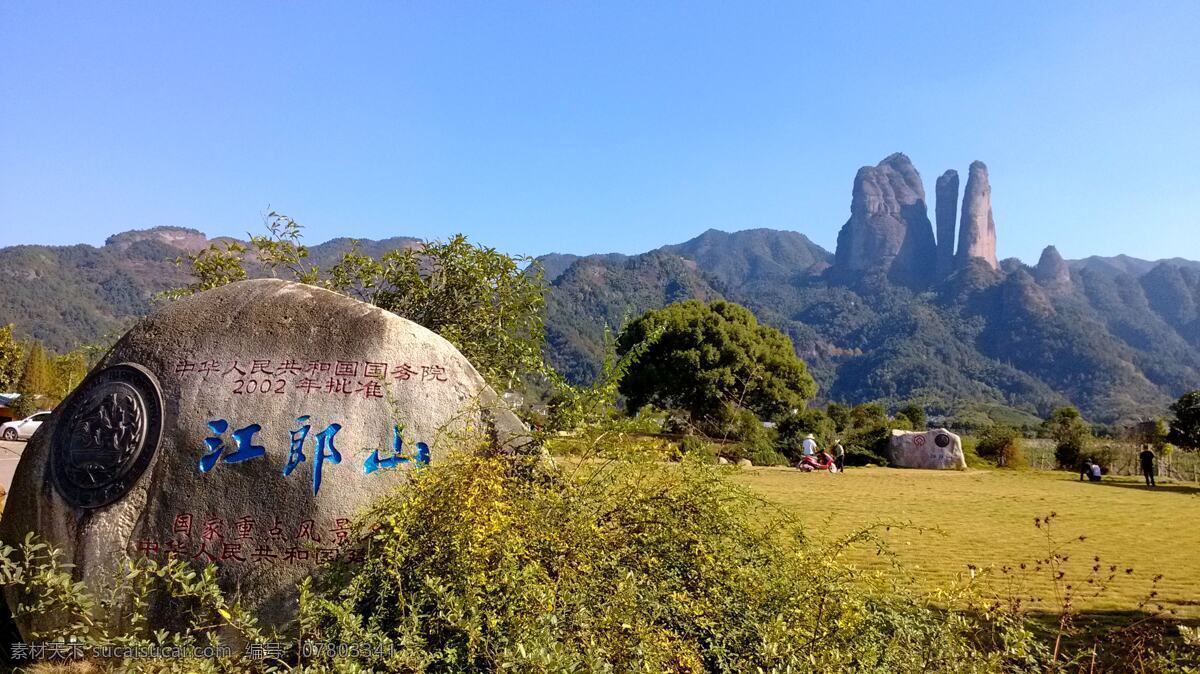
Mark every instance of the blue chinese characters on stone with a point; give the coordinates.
(325, 450)
(325, 443)
(246, 449)
(243, 439)
(215, 444)
(374, 463)
(296, 453)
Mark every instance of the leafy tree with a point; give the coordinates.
(757, 443)
(37, 380)
(281, 247)
(1152, 432)
(38, 375)
(1185, 427)
(488, 304)
(794, 427)
(69, 369)
(710, 357)
(212, 267)
(868, 415)
(915, 415)
(1070, 434)
(24, 405)
(12, 358)
(839, 414)
(1002, 445)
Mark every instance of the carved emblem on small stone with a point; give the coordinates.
(109, 431)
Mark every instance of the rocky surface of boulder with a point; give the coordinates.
(245, 427)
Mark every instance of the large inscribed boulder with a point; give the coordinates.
(245, 427)
(939, 449)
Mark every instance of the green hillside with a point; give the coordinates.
(1118, 345)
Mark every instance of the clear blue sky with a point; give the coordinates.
(590, 127)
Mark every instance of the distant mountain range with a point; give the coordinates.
(895, 314)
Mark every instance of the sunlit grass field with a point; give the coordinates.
(986, 517)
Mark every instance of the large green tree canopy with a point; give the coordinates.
(711, 357)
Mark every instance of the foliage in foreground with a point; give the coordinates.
(629, 567)
(489, 563)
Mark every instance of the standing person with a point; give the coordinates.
(839, 456)
(1147, 458)
(1096, 472)
(1085, 470)
(809, 445)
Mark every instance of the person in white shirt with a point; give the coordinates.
(810, 445)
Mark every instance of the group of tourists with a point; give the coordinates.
(1147, 463)
(812, 458)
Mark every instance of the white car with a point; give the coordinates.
(23, 428)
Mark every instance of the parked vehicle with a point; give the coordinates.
(822, 461)
(21, 429)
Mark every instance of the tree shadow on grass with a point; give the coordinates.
(1169, 487)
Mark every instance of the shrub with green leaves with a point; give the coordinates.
(1071, 436)
(696, 447)
(619, 567)
(1002, 446)
(494, 563)
(60, 608)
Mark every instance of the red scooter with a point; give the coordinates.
(822, 461)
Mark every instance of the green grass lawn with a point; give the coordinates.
(986, 517)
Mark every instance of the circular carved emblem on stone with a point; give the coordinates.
(107, 433)
(942, 440)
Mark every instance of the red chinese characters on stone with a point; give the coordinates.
(235, 540)
(244, 527)
(183, 524)
(366, 379)
(403, 372)
(212, 529)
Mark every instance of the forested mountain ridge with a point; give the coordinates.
(1119, 337)
(66, 296)
(1119, 346)
(901, 314)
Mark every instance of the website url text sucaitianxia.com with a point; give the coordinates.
(35, 651)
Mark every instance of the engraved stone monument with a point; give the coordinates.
(245, 427)
(939, 449)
